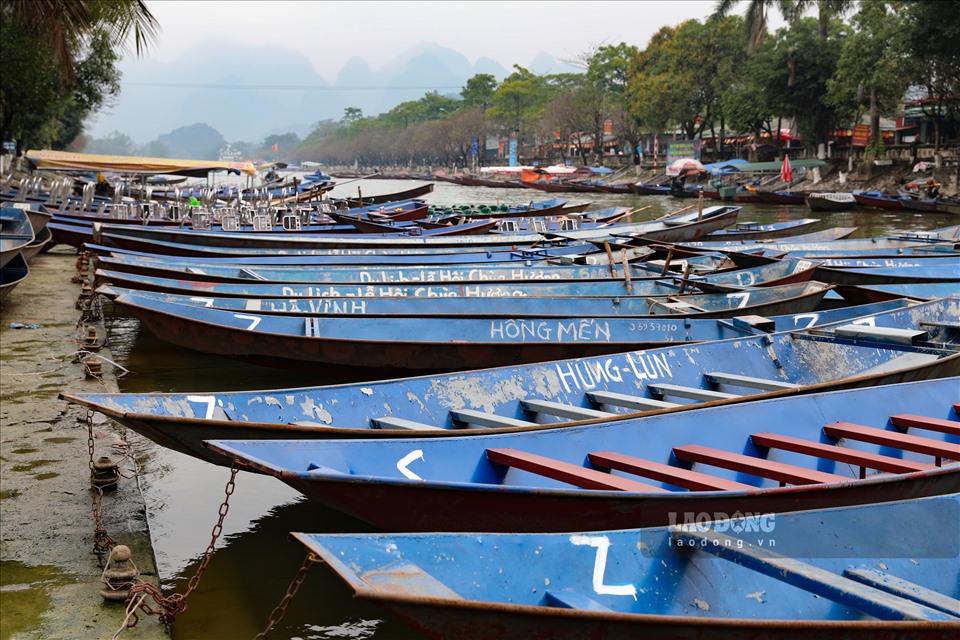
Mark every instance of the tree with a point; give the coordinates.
(59, 63)
(679, 78)
(605, 87)
(520, 97)
(931, 33)
(827, 10)
(61, 24)
(871, 66)
(479, 90)
(755, 22)
(352, 115)
(793, 72)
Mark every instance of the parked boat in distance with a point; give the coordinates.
(830, 201)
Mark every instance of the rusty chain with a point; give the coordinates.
(281, 609)
(102, 542)
(173, 605)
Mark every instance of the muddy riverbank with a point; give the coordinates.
(50, 577)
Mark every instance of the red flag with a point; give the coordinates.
(786, 171)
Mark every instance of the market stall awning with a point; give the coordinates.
(66, 161)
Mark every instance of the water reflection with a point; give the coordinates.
(254, 561)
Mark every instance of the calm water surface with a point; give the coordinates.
(255, 560)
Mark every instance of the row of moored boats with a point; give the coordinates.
(687, 426)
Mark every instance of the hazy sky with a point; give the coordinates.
(330, 33)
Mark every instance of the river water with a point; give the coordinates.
(254, 560)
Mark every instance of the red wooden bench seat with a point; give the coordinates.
(840, 454)
(894, 439)
(787, 473)
(664, 472)
(565, 472)
(906, 420)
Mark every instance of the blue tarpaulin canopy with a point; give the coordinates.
(601, 170)
(727, 166)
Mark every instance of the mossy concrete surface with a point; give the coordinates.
(49, 575)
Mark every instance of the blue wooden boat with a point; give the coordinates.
(549, 207)
(400, 229)
(79, 236)
(933, 239)
(126, 236)
(363, 345)
(945, 270)
(661, 298)
(862, 572)
(549, 394)
(755, 230)
(820, 450)
(734, 244)
(880, 292)
(651, 284)
(778, 273)
(867, 260)
(41, 242)
(876, 199)
(440, 273)
(572, 251)
(528, 278)
(13, 273)
(15, 233)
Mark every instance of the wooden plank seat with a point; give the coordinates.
(573, 474)
(693, 393)
(840, 454)
(784, 473)
(894, 439)
(881, 334)
(562, 410)
(388, 422)
(907, 421)
(905, 589)
(676, 306)
(676, 476)
(630, 402)
(826, 584)
(716, 377)
(483, 419)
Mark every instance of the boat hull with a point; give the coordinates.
(391, 483)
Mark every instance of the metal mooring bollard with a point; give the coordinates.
(105, 473)
(119, 575)
(91, 341)
(93, 368)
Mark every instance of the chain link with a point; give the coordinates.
(173, 605)
(102, 542)
(281, 609)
